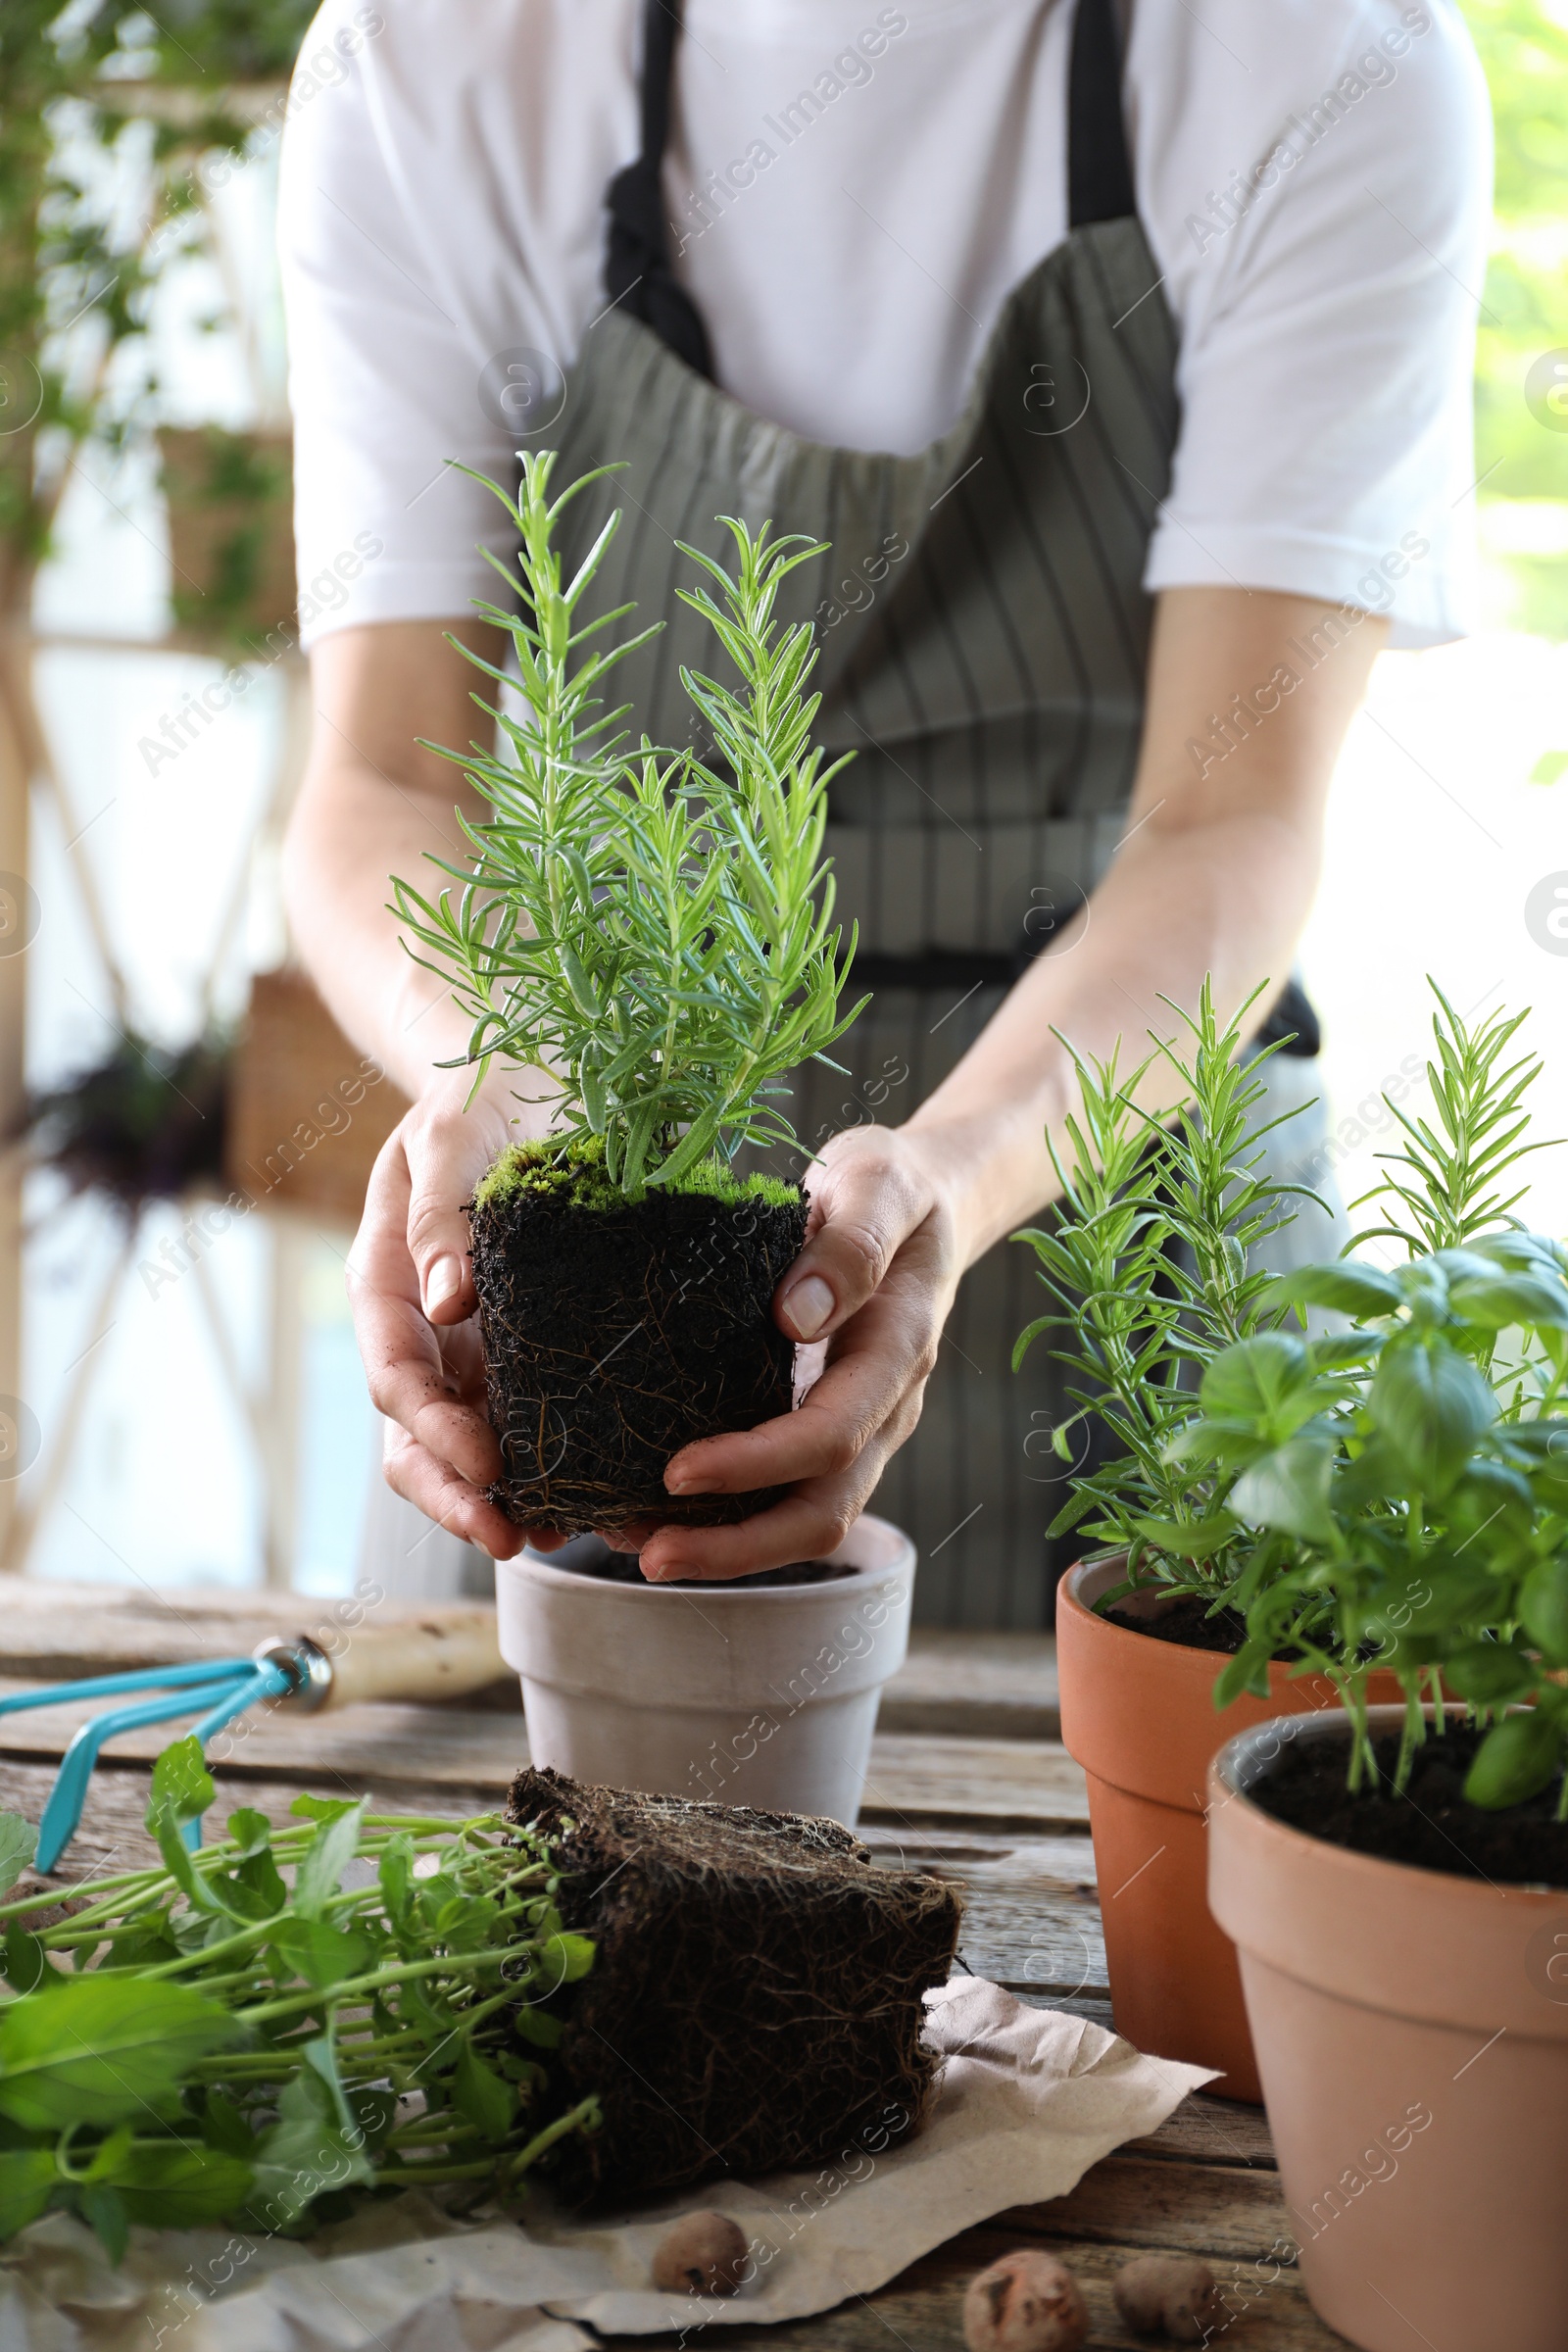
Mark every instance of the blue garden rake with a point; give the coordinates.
(445, 1654)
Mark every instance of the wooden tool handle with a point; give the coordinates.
(425, 1659)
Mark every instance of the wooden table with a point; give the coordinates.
(969, 1782)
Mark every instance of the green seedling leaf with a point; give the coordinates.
(104, 2210)
(320, 1874)
(1249, 1382)
(1496, 1300)
(26, 1966)
(565, 1958)
(28, 2180)
(323, 1954)
(205, 1896)
(223, 2127)
(480, 2097)
(374, 2111)
(19, 1842)
(308, 2151)
(96, 2049)
(395, 1877)
(250, 1831)
(1348, 1286)
(1431, 1405)
(324, 1808)
(1489, 1674)
(181, 1784)
(1192, 1540)
(538, 2027)
(180, 2185)
(1289, 1489)
(1543, 1609)
(1246, 1671)
(1518, 1757)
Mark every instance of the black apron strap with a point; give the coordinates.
(1099, 172)
(638, 276)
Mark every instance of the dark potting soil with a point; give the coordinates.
(755, 2002)
(1187, 1620)
(1431, 1826)
(625, 1568)
(614, 1337)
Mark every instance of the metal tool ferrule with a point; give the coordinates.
(307, 1665)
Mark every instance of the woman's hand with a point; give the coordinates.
(410, 1287)
(869, 1293)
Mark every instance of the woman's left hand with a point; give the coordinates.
(871, 1289)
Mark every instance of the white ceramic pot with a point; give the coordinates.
(763, 1695)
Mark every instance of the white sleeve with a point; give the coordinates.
(383, 372)
(1327, 331)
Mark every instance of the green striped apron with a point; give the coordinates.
(984, 638)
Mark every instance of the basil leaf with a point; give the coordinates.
(320, 1874)
(19, 1842)
(28, 2178)
(104, 2210)
(182, 1783)
(1289, 1489)
(94, 2050)
(1431, 1405)
(178, 2184)
(1515, 1761)
(480, 2097)
(323, 1955)
(1349, 1286)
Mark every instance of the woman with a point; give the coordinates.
(1133, 397)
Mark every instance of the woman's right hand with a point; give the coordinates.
(416, 1311)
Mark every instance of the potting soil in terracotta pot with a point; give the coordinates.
(613, 1335)
(1138, 1713)
(1411, 2025)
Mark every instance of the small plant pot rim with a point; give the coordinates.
(1319, 1913)
(762, 1696)
(1139, 1715)
(1413, 2041)
(1159, 1752)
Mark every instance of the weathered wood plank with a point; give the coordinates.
(983, 1783)
(1211, 2131)
(913, 1780)
(975, 1685)
(1125, 2200)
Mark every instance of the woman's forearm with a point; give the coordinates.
(1214, 879)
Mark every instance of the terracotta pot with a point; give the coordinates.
(1412, 2030)
(1139, 1716)
(748, 1695)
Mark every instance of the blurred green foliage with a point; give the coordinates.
(1524, 49)
(77, 80)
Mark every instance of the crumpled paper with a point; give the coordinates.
(1026, 2101)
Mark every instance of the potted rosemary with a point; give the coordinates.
(653, 932)
(1193, 1621)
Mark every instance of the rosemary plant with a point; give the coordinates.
(237, 2035)
(655, 929)
(1147, 1264)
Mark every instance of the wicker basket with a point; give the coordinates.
(308, 1113)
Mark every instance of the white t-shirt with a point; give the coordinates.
(854, 188)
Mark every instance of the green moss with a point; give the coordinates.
(574, 1172)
